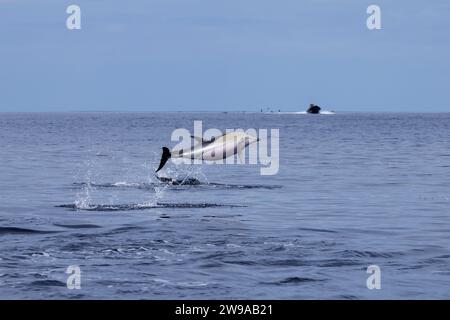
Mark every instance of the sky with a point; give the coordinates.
(224, 55)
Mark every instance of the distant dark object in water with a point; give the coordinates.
(313, 109)
(180, 182)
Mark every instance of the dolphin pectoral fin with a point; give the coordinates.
(241, 156)
(165, 156)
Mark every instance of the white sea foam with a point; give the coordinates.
(126, 184)
(324, 112)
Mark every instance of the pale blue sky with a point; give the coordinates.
(187, 55)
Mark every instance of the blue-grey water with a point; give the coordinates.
(353, 190)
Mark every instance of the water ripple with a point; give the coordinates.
(132, 207)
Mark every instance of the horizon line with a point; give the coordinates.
(213, 111)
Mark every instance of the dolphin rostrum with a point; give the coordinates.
(217, 148)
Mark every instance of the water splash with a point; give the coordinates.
(143, 206)
(83, 197)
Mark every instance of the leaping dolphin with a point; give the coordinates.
(217, 148)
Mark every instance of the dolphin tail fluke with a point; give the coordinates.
(165, 156)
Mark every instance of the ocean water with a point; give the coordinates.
(353, 190)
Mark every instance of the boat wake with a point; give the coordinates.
(324, 112)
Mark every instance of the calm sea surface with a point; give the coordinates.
(353, 190)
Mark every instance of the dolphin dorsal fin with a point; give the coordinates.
(198, 139)
(203, 141)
